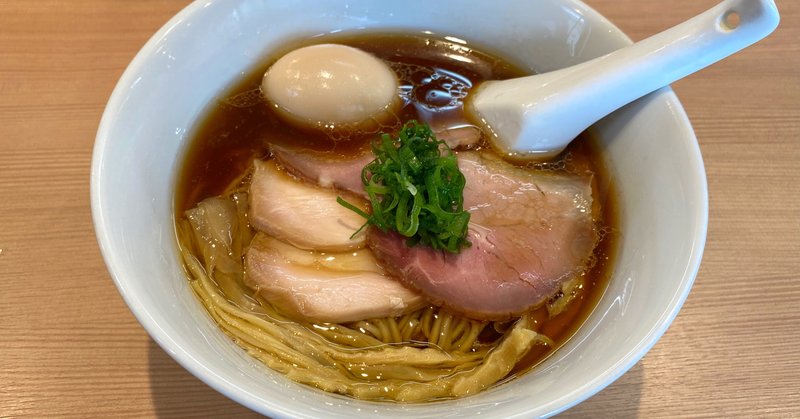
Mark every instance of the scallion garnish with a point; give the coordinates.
(415, 188)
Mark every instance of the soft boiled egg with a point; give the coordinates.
(329, 85)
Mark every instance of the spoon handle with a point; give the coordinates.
(693, 45)
(582, 94)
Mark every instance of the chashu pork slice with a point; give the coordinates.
(342, 172)
(328, 169)
(325, 287)
(305, 215)
(530, 232)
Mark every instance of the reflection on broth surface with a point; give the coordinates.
(368, 316)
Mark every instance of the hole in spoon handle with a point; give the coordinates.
(730, 20)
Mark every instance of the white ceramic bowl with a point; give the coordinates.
(650, 148)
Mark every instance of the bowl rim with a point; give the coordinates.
(183, 357)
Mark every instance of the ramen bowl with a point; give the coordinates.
(649, 147)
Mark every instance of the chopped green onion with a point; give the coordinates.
(415, 188)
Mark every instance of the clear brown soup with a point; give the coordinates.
(240, 128)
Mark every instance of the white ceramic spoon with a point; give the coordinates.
(537, 116)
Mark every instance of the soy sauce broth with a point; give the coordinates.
(436, 74)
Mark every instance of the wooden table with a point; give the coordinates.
(70, 347)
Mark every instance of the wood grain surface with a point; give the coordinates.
(70, 347)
